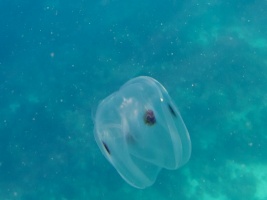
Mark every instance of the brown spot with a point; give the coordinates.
(172, 111)
(149, 118)
(106, 147)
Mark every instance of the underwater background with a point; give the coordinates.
(58, 59)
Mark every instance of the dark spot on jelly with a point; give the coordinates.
(149, 118)
(106, 147)
(172, 111)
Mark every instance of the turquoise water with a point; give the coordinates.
(58, 59)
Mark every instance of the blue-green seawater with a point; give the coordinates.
(58, 59)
